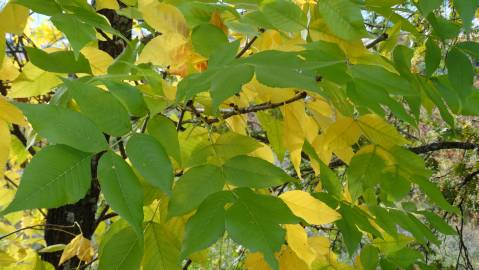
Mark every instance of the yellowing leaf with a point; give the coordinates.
(298, 242)
(294, 117)
(99, 60)
(8, 71)
(4, 145)
(52, 248)
(339, 137)
(80, 247)
(165, 18)
(379, 131)
(107, 4)
(32, 82)
(10, 113)
(166, 50)
(308, 208)
(319, 244)
(288, 260)
(13, 19)
(255, 261)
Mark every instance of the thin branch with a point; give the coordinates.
(46, 226)
(187, 264)
(18, 133)
(443, 145)
(469, 178)
(379, 39)
(246, 47)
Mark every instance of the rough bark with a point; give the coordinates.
(83, 212)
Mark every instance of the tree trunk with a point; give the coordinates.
(83, 212)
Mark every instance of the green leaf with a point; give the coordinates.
(122, 251)
(162, 248)
(282, 69)
(193, 187)
(207, 224)
(228, 82)
(246, 171)
(57, 175)
(434, 194)
(124, 62)
(58, 62)
(224, 55)
(330, 181)
(101, 107)
(460, 72)
(150, 159)
(64, 126)
(164, 131)
(77, 32)
(443, 28)
(228, 145)
(343, 18)
(428, 6)
(369, 257)
(285, 16)
(469, 47)
(206, 38)
(433, 57)
(47, 7)
(405, 257)
(122, 189)
(129, 96)
(439, 223)
(274, 132)
(364, 172)
(351, 235)
(379, 77)
(253, 221)
(467, 10)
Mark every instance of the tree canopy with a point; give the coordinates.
(238, 134)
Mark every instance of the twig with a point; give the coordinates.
(18, 133)
(379, 39)
(46, 226)
(187, 264)
(443, 145)
(246, 47)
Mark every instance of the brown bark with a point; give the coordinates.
(83, 212)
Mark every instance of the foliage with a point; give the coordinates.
(292, 130)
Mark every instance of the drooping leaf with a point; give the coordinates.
(162, 248)
(253, 221)
(56, 176)
(433, 57)
(343, 18)
(369, 257)
(101, 107)
(165, 132)
(122, 189)
(77, 32)
(64, 126)
(122, 251)
(130, 97)
(59, 62)
(246, 171)
(467, 9)
(207, 224)
(206, 38)
(460, 72)
(150, 159)
(309, 208)
(193, 187)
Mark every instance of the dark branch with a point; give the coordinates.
(443, 145)
(379, 39)
(18, 133)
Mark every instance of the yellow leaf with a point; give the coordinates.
(32, 82)
(308, 208)
(319, 244)
(52, 248)
(165, 18)
(10, 113)
(4, 145)
(6, 259)
(255, 261)
(80, 247)
(13, 19)
(107, 4)
(8, 71)
(288, 260)
(339, 137)
(265, 152)
(170, 49)
(99, 60)
(294, 117)
(298, 242)
(379, 131)
(237, 124)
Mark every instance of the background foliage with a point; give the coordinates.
(239, 134)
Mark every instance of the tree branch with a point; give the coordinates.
(379, 39)
(443, 145)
